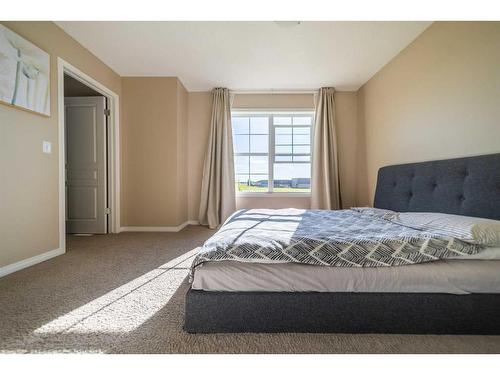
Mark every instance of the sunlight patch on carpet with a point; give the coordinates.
(125, 308)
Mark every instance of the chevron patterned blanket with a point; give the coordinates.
(358, 237)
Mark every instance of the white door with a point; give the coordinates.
(86, 180)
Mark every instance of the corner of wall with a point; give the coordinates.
(182, 152)
(362, 178)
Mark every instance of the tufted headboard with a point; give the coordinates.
(466, 186)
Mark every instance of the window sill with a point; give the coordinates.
(271, 195)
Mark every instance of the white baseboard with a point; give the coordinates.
(5, 270)
(159, 229)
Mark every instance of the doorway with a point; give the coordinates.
(89, 179)
(86, 128)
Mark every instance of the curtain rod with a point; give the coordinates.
(242, 92)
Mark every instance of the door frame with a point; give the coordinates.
(113, 146)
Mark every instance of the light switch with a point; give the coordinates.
(47, 147)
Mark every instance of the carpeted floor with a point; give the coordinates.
(125, 294)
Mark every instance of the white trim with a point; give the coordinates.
(270, 194)
(63, 67)
(10, 268)
(62, 167)
(159, 229)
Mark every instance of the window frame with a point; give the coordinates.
(271, 154)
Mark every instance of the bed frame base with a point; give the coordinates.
(406, 313)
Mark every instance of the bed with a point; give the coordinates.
(453, 295)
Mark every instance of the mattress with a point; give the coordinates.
(444, 276)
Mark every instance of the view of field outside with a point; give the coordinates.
(265, 141)
(246, 188)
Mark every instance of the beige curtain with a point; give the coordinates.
(325, 184)
(217, 189)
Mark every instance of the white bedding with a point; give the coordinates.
(234, 264)
(444, 276)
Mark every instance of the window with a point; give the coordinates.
(272, 152)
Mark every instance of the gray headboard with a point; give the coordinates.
(466, 186)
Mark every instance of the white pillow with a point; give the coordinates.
(488, 253)
(466, 228)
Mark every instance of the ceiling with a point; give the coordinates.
(248, 55)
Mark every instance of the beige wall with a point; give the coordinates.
(273, 202)
(439, 98)
(200, 106)
(29, 221)
(274, 101)
(153, 150)
(199, 113)
(346, 117)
